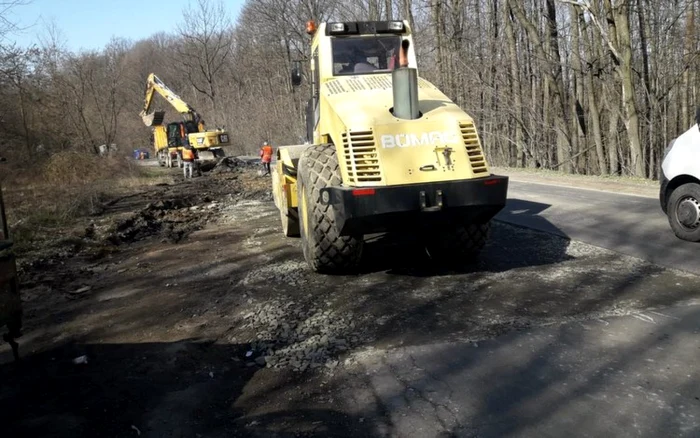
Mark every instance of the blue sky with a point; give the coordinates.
(90, 24)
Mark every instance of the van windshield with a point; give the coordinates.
(363, 55)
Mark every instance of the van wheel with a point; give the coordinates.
(684, 212)
(325, 250)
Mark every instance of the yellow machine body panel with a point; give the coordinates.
(209, 139)
(285, 183)
(160, 137)
(374, 147)
(377, 149)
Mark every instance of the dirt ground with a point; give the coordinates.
(182, 311)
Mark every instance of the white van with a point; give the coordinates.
(680, 183)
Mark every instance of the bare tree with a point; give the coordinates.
(7, 25)
(16, 67)
(589, 86)
(207, 41)
(554, 74)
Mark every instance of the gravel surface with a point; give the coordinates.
(290, 334)
(198, 317)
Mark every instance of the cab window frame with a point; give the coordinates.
(392, 51)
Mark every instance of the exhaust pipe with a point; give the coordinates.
(404, 82)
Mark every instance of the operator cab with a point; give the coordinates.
(365, 47)
(373, 54)
(176, 131)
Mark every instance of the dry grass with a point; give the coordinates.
(609, 183)
(561, 175)
(67, 187)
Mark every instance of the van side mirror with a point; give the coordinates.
(697, 116)
(296, 73)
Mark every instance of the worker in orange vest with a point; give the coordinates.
(266, 157)
(188, 157)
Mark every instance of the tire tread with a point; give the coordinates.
(327, 250)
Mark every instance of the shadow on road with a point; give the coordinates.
(509, 247)
(527, 213)
(548, 382)
(187, 388)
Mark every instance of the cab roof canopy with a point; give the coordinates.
(365, 28)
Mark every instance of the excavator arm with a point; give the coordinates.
(153, 85)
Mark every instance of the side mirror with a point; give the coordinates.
(697, 116)
(296, 73)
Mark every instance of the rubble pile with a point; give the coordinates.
(229, 165)
(290, 335)
(172, 219)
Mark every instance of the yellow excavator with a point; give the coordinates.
(168, 140)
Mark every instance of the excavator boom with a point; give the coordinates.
(153, 85)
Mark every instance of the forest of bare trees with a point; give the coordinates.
(580, 86)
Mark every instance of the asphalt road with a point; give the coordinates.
(632, 225)
(631, 375)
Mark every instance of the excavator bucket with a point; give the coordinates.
(206, 156)
(153, 119)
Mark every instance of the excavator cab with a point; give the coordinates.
(191, 127)
(10, 303)
(178, 132)
(174, 137)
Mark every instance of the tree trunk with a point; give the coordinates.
(625, 69)
(553, 75)
(435, 8)
(515, 89)
(578, 128)
(593, 85)
(688, 56)
(613, 144)
(373, 14)
(648, 111)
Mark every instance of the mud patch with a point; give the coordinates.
(170, 219)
